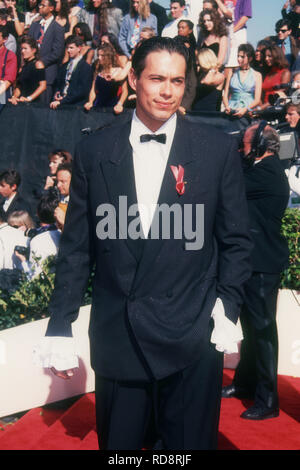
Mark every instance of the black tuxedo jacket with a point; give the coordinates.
(152, 299)
(267, 191)
(80, 83)
(17, 204)
(52, 47)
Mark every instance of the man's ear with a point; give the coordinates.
(132, 79)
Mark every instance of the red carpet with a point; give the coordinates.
(54, 427)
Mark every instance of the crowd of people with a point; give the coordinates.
(60, 53)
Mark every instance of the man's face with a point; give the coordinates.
(45, 9)
(176, 10)
(283, 32)
(296, 82)
(159, 88)
(7, 190)
(73, 51)
(63, 179)
(96, 3)
(292, 116)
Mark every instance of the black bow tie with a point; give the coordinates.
(161, 138)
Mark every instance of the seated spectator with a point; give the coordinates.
(209, 82)
(31, 81)
(31, 13)
(138, 17)
(15, 20)
(177, 10)
(10, 181)
(56, 158)
(109, 38)
(45, 243)
(213, 35)
(10, 43)
(63, 17)
(102, 17)
(242, 91)
(83, 31)
(185, 29)
(22, 221)
(10, 237)
(74, 79)
(278, 73)
(107, 79)
(259, 64)
(63, 180)
(8, 67)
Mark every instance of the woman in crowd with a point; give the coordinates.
(243, 87)
(109, 38)
(102, 17)
(21, 220)
(213, 35)
(209, 82)
(278, 73)
(55, 158)
(83, 31)
(15, 20)
(31, 82)
(259, 64)
(106, 91)
(138, 17)
(64, 18)
(185, 29)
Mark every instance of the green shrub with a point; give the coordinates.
(290, 278)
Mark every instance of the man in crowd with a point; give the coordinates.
(74, 78)
(267, 193)
(63, 180)
(177, 8)
(10, 181)
(152, 338)
(8, 66)
(10, 43)
(285, 40)
(50, 37)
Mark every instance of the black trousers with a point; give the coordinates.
(185, 407)
(257, 369)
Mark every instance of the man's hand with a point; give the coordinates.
(63, 374)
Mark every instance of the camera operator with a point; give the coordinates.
(267, 193)
(292, 117)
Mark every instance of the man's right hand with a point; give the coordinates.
(63, 374)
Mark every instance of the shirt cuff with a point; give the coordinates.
(56, 351)
(226, 335)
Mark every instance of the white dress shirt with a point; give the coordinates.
(149, 162)
(8, 202)
(46, 23)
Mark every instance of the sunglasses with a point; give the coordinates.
(282, 30)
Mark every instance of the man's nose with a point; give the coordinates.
(166, 88)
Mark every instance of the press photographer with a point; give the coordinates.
(267, 193)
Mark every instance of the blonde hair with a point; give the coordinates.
(207, 59)
(19, 218)
(143, 9)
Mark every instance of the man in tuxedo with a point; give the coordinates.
(10, 181)
(75, 77)
(157, 206)
(267, 192)
(50, 37)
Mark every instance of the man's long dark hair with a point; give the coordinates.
(156, 44)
